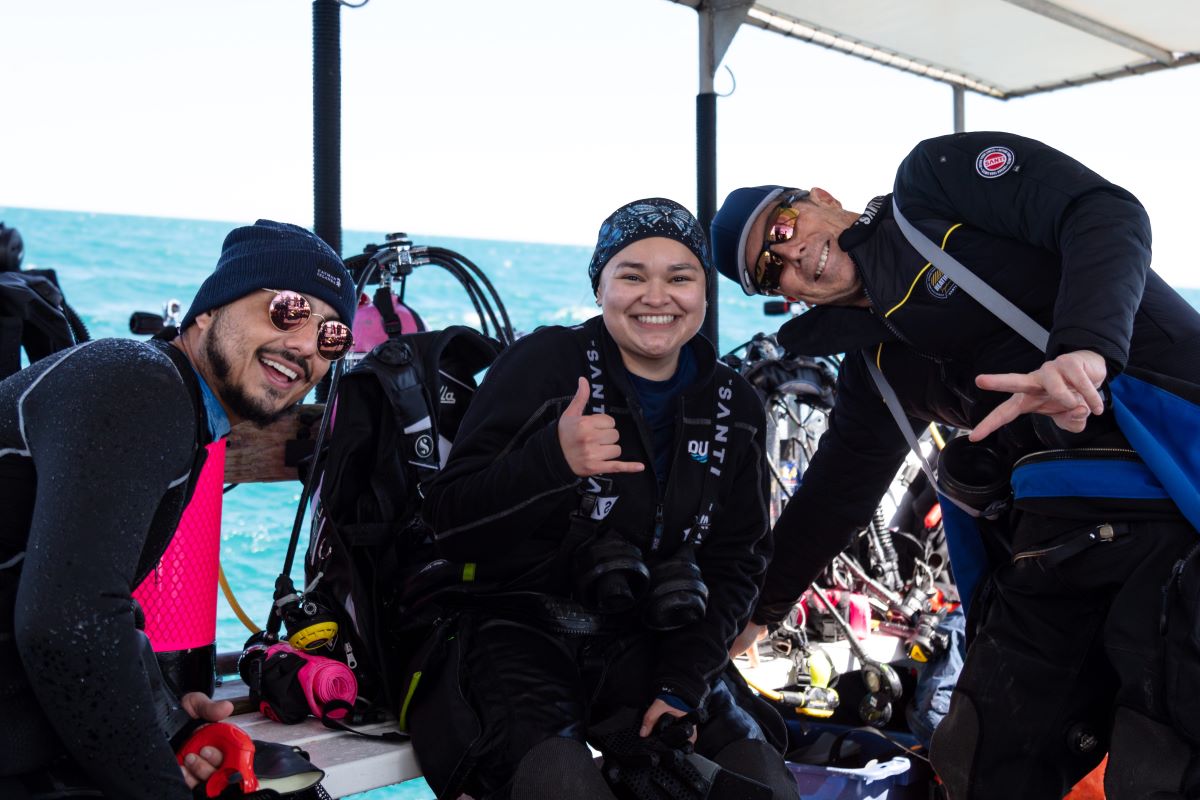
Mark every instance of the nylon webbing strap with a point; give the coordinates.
(972, 284)
(893, 405)
(984, 294)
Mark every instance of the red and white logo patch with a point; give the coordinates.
(994, 162)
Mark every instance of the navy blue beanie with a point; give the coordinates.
(275, 255)
(731, 226)
(642, 219)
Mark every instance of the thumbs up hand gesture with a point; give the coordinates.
(589, 441)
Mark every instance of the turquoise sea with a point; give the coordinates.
(111, 265)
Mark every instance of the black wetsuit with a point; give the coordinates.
(1060, 645)
(504, 502)
(96, 447)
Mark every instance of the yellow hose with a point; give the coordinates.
(803, 710)
(233, 603)
(767, 693)
(937, 437)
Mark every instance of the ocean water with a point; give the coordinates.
(111, 265)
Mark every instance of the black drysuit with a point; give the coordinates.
(97, 444)
(1061, 645)
(503, 503)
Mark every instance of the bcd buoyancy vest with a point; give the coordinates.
(397, 412)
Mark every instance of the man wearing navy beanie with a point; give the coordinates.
(100, 446)
(232, 330)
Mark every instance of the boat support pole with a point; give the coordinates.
(960, 113)
(327, 122)
(719, 23)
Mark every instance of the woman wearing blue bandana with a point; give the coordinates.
(607, 496)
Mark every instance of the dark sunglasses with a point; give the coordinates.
(768, 268)
(290, 311)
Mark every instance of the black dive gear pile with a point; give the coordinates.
(34, 316)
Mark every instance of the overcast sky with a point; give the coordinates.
(528, 120)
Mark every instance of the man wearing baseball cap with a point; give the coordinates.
(1068, 659)
(100, 445)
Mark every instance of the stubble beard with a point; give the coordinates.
(235, 397)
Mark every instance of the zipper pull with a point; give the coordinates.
(658, 529)
(1105, 532)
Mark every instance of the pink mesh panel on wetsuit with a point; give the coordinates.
(179, 597)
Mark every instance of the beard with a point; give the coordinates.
(235, 397)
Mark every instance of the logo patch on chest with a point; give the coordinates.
(938, 284)
(994, 162)
(698, 450)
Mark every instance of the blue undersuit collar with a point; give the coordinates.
(218, 420)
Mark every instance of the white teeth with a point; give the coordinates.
(290, 373)
(656, 319)
(821, 262)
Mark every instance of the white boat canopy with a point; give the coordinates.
(999, 48)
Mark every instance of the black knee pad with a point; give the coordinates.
(757, 760)
(559, 768)
(1147, 760)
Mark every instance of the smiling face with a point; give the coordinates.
(652, 296)
(815, 268)
(257, 371)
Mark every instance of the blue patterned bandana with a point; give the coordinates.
(642, 219)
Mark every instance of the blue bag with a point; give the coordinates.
(1164, 428)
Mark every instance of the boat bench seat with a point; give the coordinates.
(351, 763)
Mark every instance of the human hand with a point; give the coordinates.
(589, 441)
(1065, 389)
(752, 633)
(197, 768)
(656, 710)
